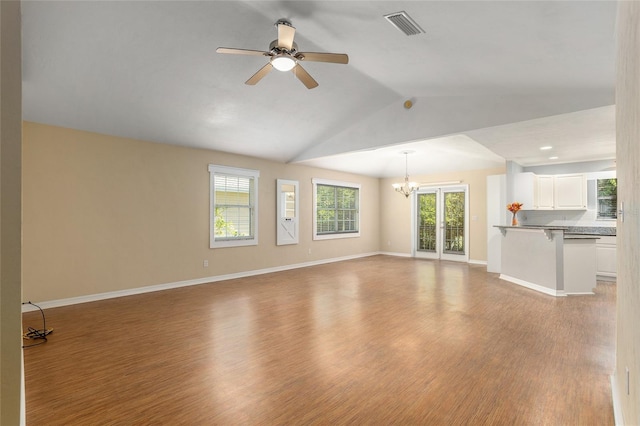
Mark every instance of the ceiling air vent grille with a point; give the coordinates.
(403, 22)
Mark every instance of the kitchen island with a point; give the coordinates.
(547, 259)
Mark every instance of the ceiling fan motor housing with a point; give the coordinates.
(273, 47)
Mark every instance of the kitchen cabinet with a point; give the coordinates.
(606, 258)
(570, 192)
(525, 190)
(551, 192)
(544, 192)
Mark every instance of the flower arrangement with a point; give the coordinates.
(514, 208)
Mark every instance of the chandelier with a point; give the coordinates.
(406, 188)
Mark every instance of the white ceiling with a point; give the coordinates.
(489, 80)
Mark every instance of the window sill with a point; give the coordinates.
(336, 236)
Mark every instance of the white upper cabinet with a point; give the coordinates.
(551, 192)
(524, 184)
(570, 192)
(544, 192)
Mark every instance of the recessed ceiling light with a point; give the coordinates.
(553, 158)
(545, 148)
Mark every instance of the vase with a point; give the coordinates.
(514, 219)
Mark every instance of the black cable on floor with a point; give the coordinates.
(32, 333)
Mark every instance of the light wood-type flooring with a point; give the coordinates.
(379, 340)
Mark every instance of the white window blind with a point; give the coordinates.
(234, 205)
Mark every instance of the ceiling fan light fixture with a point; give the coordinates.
(283, 62)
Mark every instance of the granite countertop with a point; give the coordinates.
(592, 230)
(570, 230)
(581, 237)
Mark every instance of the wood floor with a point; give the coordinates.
(378, 340)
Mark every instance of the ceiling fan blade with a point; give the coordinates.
(336, 58)
(285, 36)
(261, 73)
(304, 77)
(241, 51)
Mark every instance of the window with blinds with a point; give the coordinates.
(234, 206)
(336, 209)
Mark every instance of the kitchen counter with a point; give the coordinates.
(545, 259)
(592, 230)
(580, 237)
(574, 230)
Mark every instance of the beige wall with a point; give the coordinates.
(10, 135)
(103, 214)
(395, 211)
(628, 173)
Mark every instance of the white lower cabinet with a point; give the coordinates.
(606, 258)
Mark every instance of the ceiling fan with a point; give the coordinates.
(284, 56)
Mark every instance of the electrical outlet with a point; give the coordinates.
(309, 251)
(205, 264)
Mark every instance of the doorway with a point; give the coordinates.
(441, 223)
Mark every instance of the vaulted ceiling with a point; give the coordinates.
(488, 80)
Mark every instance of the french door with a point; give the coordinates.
(440, 223)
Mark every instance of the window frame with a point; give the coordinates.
(335, 183)
(214, 170)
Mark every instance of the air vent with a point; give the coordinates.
(403, 22)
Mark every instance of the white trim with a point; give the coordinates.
(233, 171)
(618, 417)
(318, 181)
(148, 289)
(612, 278)
(438, 254)
(238, 171)
(388, 253)
(23, 402)
(334, 236)
(477, 262)
(532, 286)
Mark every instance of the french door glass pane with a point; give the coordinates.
(427, 222)
(454, 222)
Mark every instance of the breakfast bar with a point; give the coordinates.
(547, 259)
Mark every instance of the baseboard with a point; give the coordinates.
(615, 397)
(606, 278)
(477, 262)
(167, 286)
(532, 286)
(388, 253)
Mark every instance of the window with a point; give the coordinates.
(336, 209)
(233, 209)
(607, 198)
